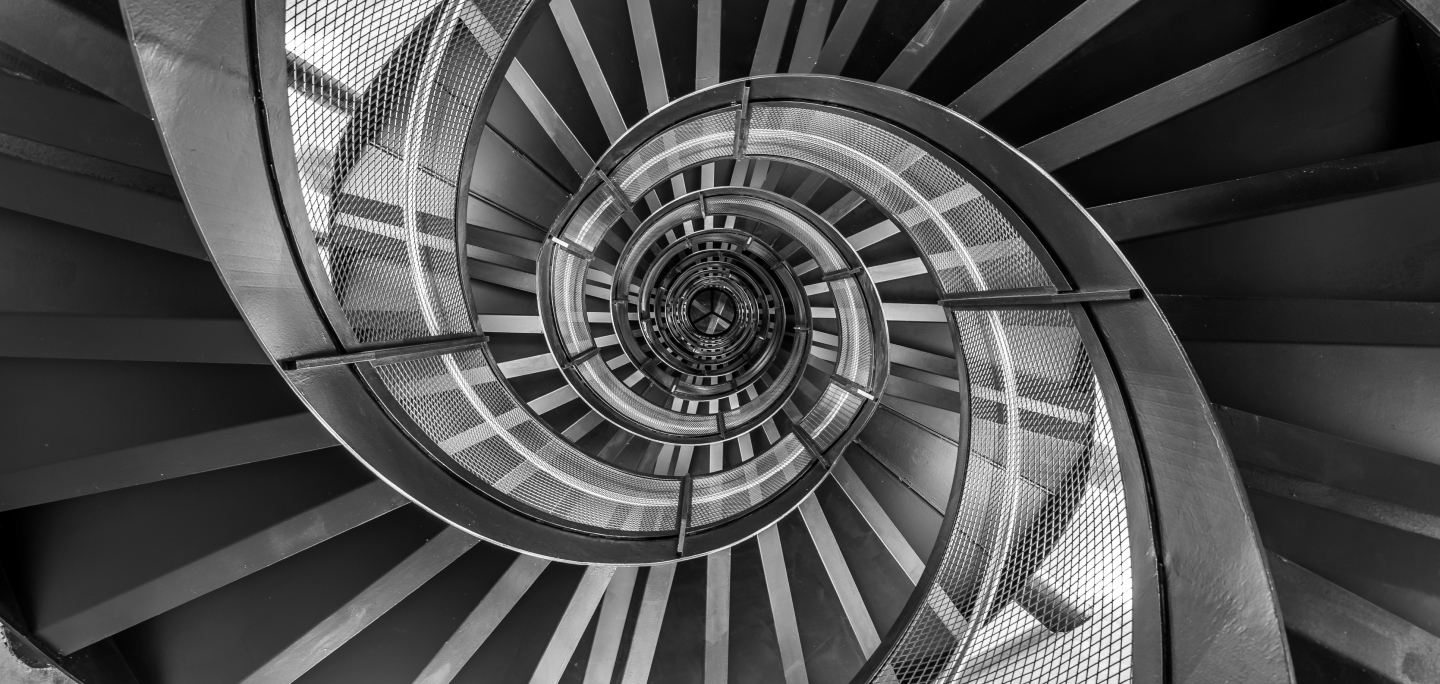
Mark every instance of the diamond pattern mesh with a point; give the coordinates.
(968, 242)
(1035, 583)
(595, 216)
(567, 291)
(700, 139)
(618, 396)
(830, 416)
(457, 400)
(732, 492)
(381, 97)
(857, 352)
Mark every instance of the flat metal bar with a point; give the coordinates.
(589, 66)
(508, 323)
(944, 366)
(861, 624)
(998, 300)
(1320, 184)
(618, 441)
(553, 399)
(809, 443)
(128, 338)
(582, 426)
(772, 37)
(387, 355)
(707, 43)
(872, 235)
(582, 357)
(842, 207)
(365, 608)
(913, 313)
(152, 596)
(880, 522)
(573, 624)
(1205, 84)
(600, 667)
(742, 136)
(833, 276)
(844, 36)
(549, 119)
(782, 606)
(647, 52)
(1040, 56)
(477, 627)
(71, 41)
(810, 38)
(572, 248)
(717, 617)
(895, 270)
(922, 49)
(682, 513)
(1384, 513)
(647, 624)
(1349, 626)
(1302, 321)
(809, 187)
(529, 365)
(157, 461)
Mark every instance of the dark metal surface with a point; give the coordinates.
(997, 299)
(415, 349)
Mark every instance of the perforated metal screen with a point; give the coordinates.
(381, 98)
(1035, 583)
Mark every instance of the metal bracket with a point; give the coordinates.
(809, 443)
(615, 192)
(1006, 299)
(582, 357)
(854, 387)
(387, 355)
(682, 513)
(742, 123)
(851, 272)
(577, 250)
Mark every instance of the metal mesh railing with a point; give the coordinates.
(460, 403)
(381, 98)
(1035, 580)
(961, 233)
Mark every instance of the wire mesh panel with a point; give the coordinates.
(381, 96)
(968, 242)
(732, 492)
(460, 403)
(857, 350)
(831, 415)
(1035, 581)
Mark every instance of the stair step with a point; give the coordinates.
(76, 44)
(96, 194)
(1373, 642)
(80, 123)
(1316, 321)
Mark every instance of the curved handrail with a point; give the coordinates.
(1201, 592)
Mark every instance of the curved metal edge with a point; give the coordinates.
(1150, 648)
(917, 601)
(195, 56)
(879, 357)
(1223, 616)
(528, 18)
(277, 145)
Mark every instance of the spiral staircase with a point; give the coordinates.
(723, 341)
